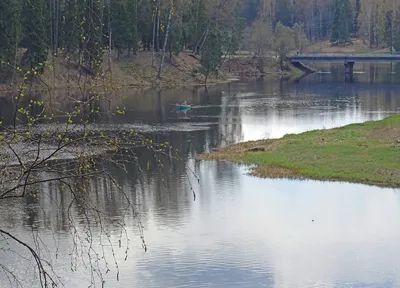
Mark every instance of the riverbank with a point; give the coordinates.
(251, 66)
(355, 46)
(138, 71)
(366, 153)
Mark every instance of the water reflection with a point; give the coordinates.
(240, 231)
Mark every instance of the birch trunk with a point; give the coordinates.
(158, 26)
(154, 35)
(171, 10)
(204, 36)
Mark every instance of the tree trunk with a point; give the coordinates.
(15, 56)
(166, 39)
(56, 24)
(204, 36)
(51, 24)
(158, 26)
(154, 35)
(195, 27)
(223, 60)
(109, 36)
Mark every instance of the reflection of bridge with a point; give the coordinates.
(347, 58)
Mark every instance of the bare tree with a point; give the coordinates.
(171, 11)
(45, 143)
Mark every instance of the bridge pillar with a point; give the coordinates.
(349, 67)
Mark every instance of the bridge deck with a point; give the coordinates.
(345, 57)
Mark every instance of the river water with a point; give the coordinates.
(240, 231)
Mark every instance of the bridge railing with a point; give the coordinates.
(344, 54)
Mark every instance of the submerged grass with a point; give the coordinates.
(364, 153)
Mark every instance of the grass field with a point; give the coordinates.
(363, 153)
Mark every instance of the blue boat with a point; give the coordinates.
(183, 107)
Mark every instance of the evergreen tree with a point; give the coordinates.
(35, 34)
(348, 18)
(396, 32)
(380, 26)
(372, 29)
(283, 12)
(145, 24)
(250, 10)
(344, 28)
(389, 29)
(9, 36)
(342, 21)
(197, 22)
(92, 35)
(71, 26)
(356, 26)
(232, 31)
(335, 23)
(132, 7)
(211, 54)
(121, 34)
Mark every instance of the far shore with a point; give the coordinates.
(137, 71)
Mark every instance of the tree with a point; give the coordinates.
(300, 37)
(335, 34)
(211, 20)
(345, 21)
(396, 32)
(211, 55)
(250, 11)
(283, 41)
(380, 38)
(231, 30)
(92, 37)
(9, 36)
(261, 37)
(389, 30)
(121, 31)
(283, 12)
(35, 37)
(356, 25)
(171, 12)
(33, 158)
(342, 21)
(133, 25)
(71, 26)
(197, 22)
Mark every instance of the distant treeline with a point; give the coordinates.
(85, 29)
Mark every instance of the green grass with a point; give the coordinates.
(364, 153)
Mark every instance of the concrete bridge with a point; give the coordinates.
(347, 58)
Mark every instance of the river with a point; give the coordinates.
(240, 231)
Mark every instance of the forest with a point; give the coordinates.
(83, 31)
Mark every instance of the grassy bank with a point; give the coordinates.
(364, 153)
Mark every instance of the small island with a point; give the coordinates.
(366, 153)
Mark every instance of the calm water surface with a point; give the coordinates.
(241, 231)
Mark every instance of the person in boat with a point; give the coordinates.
(183, 104)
